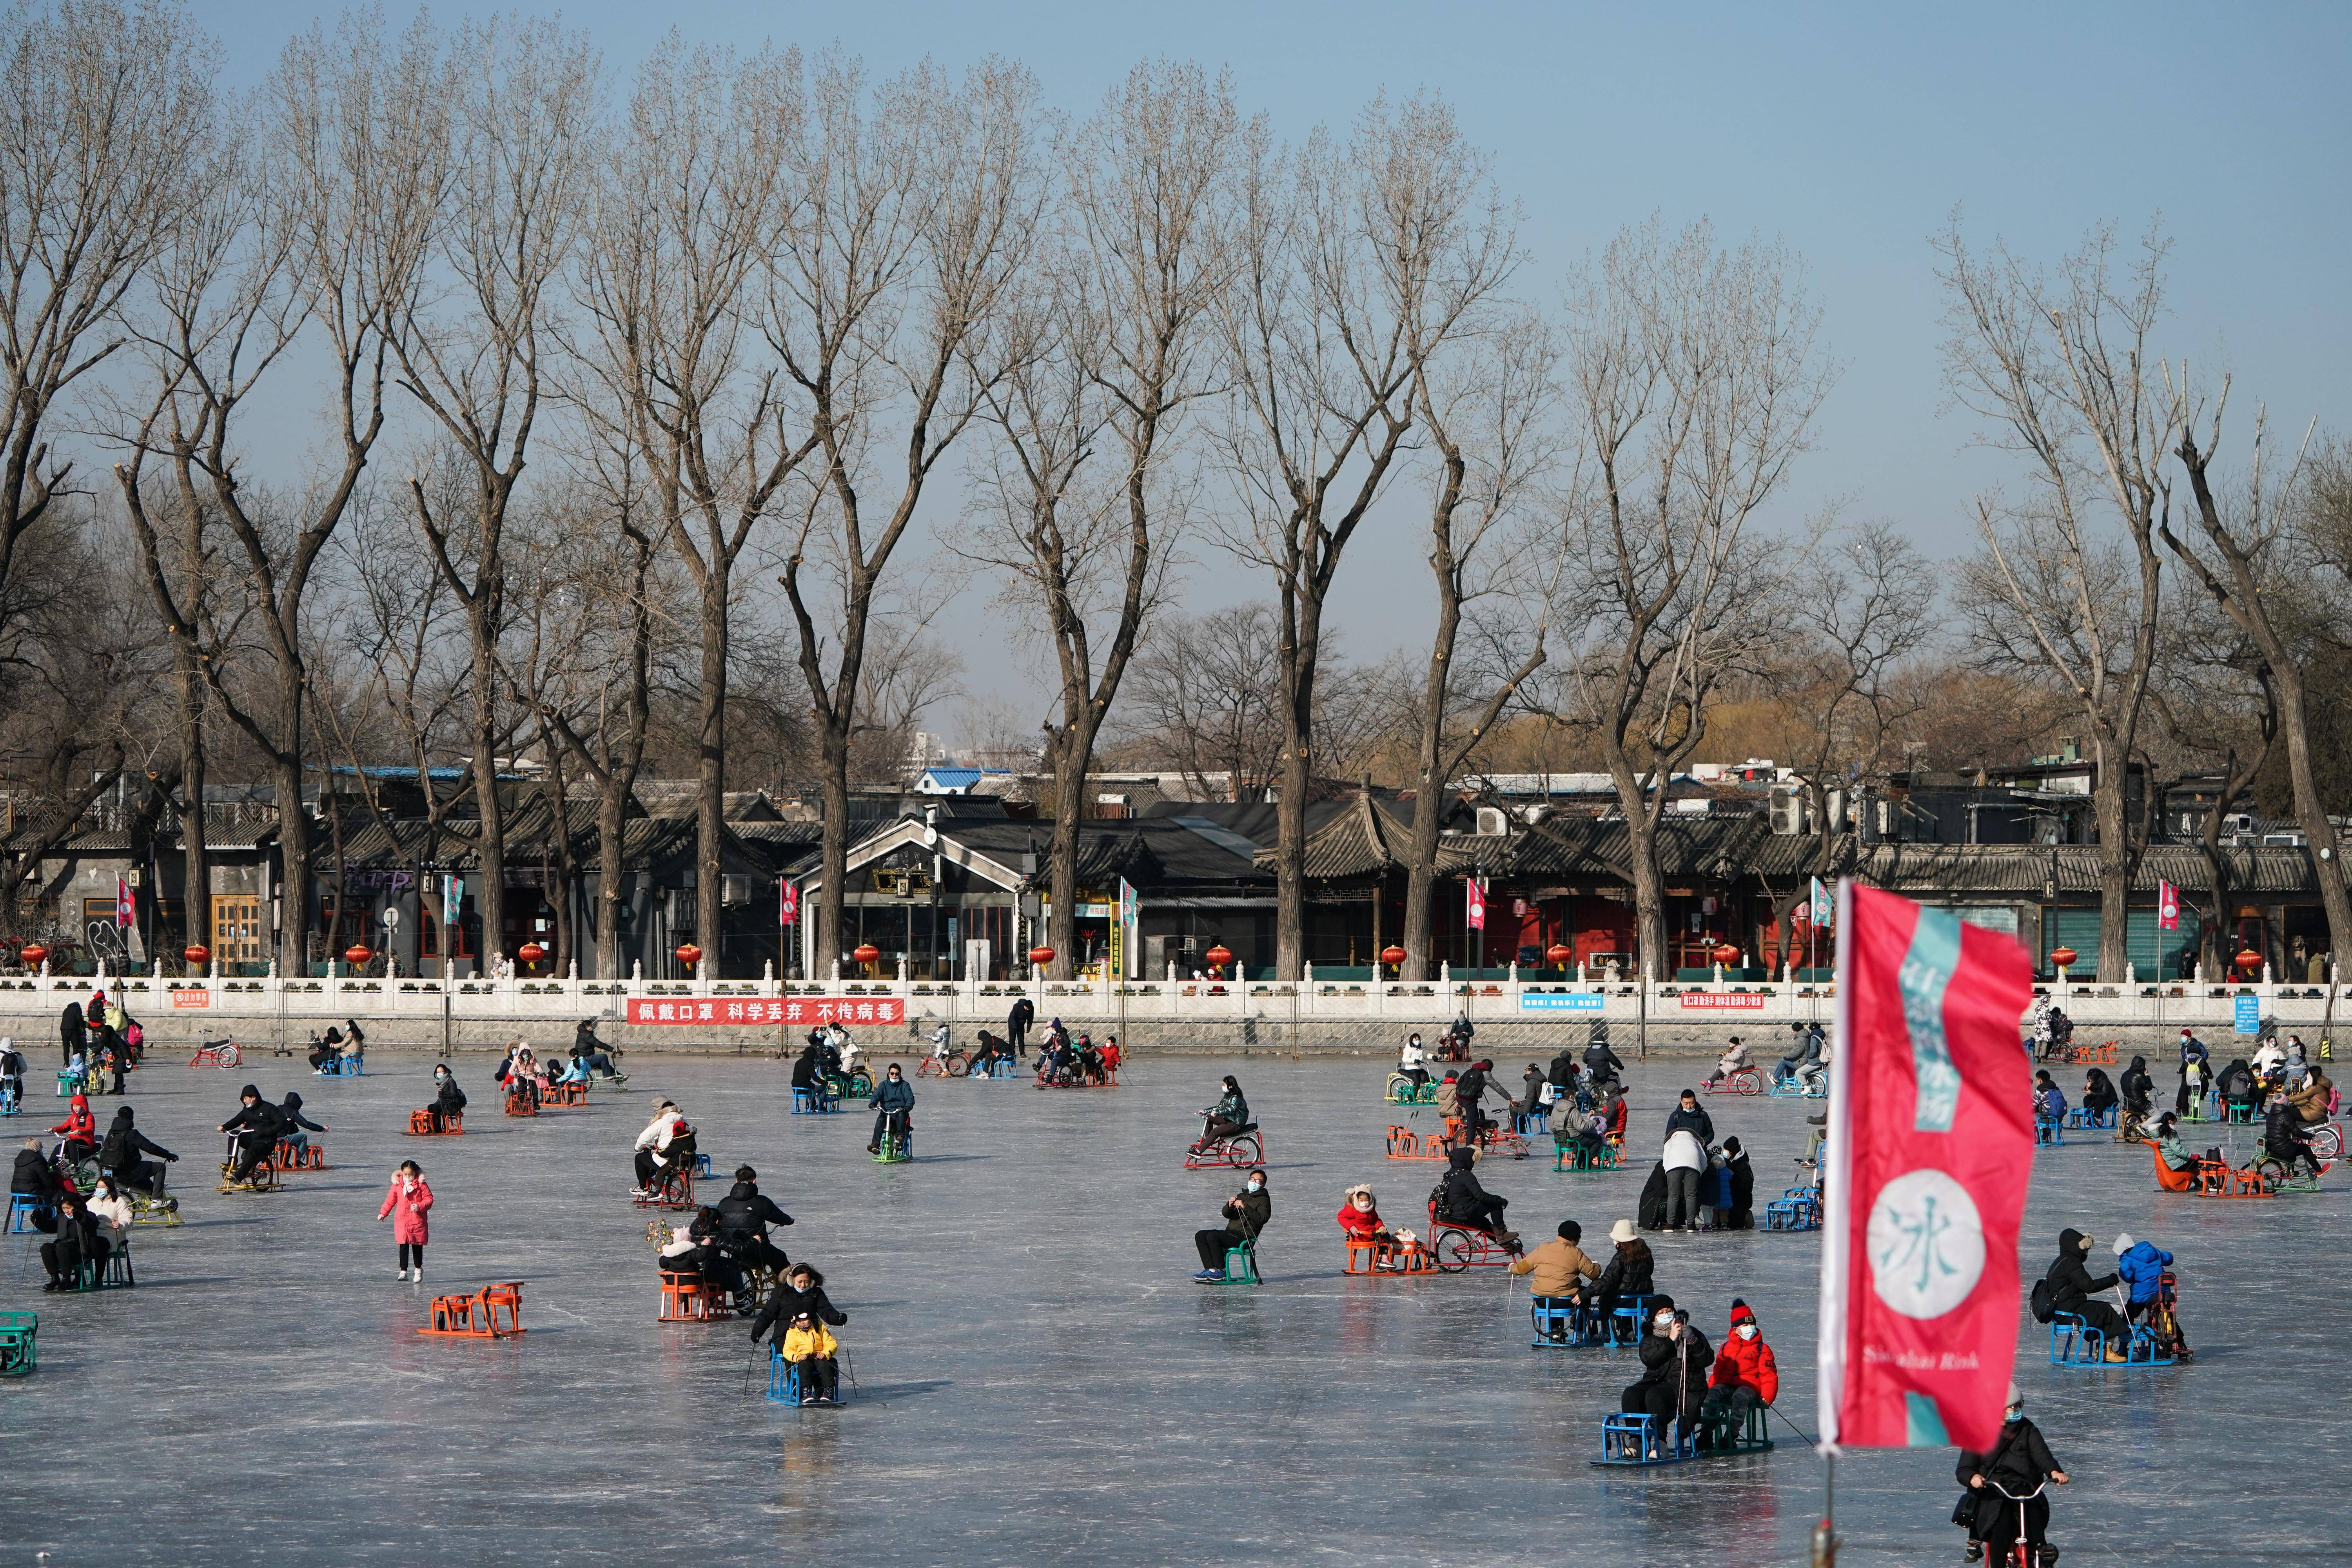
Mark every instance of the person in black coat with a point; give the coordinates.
(119, 1156)
(298, 1127)
(744, 1216)
(1690, 1115)
(258, 1126)
(2099, 1094)
(1469, 1092)
(1742, 1212)
(804, 1070)
(34, 1177)
(73, 1031)
(2071, 1289)
(2138, 1095)
(1563, 1074)
(1630, 1271)
(1675, 1358)
(77, 1242)
(448, 1100)
(802, 1290)
(893, 1107)
(1601, 1064)
(2019, 1463)
(593, 1053)
(1462, 1201)
(1016, 1026)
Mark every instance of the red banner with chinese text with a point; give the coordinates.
(809, 1011)
(1930, 1145)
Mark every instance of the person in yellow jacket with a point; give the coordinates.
(809, 1346)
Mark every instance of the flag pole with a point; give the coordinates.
(1830, 1353)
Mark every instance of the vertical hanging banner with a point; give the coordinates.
(1474, 905)
(1930, 1143)
(787, 903)
(1123, 932)
(2167, 907)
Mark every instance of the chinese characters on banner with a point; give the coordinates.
(1473, 907)
(811, 1010)
(2167, 907)
(787, 903)
(1930, 1144)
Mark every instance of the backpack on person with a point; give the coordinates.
(2043, 1303)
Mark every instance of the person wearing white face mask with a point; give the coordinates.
(1746, 1374)
(2016, 1467)
(1246, 1214)
(1675, 1359)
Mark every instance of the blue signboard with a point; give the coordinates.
(2250, 1014)
(1560, 1002)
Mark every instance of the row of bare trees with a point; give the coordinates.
(465, 401)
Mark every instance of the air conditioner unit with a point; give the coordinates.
(734, 889)
(1788, 809)
(1492, 822)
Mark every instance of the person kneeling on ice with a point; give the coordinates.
(2141, 1268)
(2017, 1464)
(808, 1346)
(405, 1203)
(1246, 1214)
(1560, 1270)
(1746, 1374)
(1672, 1384)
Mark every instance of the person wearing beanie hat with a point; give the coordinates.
(1746, 1374)
(258, 1125)
(1560, 1268)
(120, 1155)
(1673, 1383)
(2018, 1464)
(1463, 1201)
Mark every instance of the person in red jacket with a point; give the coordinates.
(405, 1205)
(81, 1130)
(1745, 1374)
(1359, 1216)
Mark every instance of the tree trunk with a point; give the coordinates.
(1649, 897)
(1420, 891)
(195, 893)
(490, 899)
(611, 811)
(1072, 757)
(710, 776)
(2326, 850)
(2116, 861)
(834, 856)
(294, 863)
(1290, 813)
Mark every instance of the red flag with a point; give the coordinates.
(1474, 906)
(1931, 1142)
(2167, 907)
(787, 903)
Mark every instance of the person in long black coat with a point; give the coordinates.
(1741, 1214)
(73, 1031)
(1674, 1360)
(1016, 1026)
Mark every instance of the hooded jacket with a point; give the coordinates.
(745, 1215)
(1746, 1363)
(408, 1202)
(1459, 1195)
(292, 1112)
(124, 1143)
(1563, 1070)
(2138, 1088)
(2071, 1284)
(78, 1124)
(1599, 1061)
(2098, 1090)
(34, 1176)
(259, 1121)
(2310, 1101)
(894, 1095)
(784, 1304)
(2142, 1267)
(1558, 1266)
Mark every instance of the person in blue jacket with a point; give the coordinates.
(2141, 1265)
(2049, 1099)
(893, 1107)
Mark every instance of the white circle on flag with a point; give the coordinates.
(1925, 1243)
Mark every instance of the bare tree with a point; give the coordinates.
(475, 354)
(109, 113)
(1487, 407)
(1115, 343)
(914, 212)
(1358, 263)
(2069, 581)
(2235, 564)
(689, 210)
(1693, 379)
(1203, 695)
(1868, 598)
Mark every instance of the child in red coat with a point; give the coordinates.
(1745, 1374)
(405, 1205)
(81, 1130)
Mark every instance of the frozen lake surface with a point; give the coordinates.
(1037, 1378)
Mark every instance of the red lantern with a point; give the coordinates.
(688, 954)
(865, 953)
(1219, 956)
(530, 953)
(1560, 955)
(1393, 955)
(1041, 955)
(357, 955)
(196, 954)
(34, 953)
(2064, 957)
(1727, 955)
(2250, 961)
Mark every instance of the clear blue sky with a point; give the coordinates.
(1850, 131)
